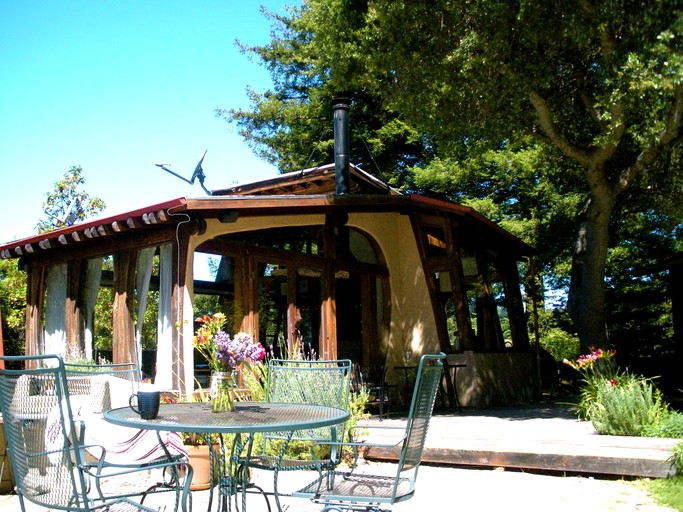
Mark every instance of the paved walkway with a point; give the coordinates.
(471, 490)
(480, 485)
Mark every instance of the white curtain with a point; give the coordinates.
(143, 274)
(93, 278)
(164, 374)
(55, 311)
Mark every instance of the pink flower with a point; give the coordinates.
(222, 352)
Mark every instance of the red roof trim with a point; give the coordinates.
(53, 235)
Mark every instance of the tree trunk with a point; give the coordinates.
(586, 302)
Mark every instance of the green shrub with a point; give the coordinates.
(670, 425)
(626, 408)
(676, 458)
(559, 343)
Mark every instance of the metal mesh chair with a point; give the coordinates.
(107, 386)
(322, 382)
(353, 490)
(44, 441)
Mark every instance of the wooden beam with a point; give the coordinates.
(118, 226)
(103, 246)
(149, 218)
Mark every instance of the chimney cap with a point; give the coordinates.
(341, 102)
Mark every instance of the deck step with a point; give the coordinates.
(551, 440)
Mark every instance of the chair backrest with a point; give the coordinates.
(421, 407)
(322, 382)
(38, 422)
(108, 385)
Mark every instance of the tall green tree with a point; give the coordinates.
(63, 206)
(598, 82)
(67, 203)
(290, 125)
(13, 306)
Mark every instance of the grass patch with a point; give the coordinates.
(667, 492)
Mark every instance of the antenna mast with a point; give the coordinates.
(198, 173)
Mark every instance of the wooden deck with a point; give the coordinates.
(540, 437)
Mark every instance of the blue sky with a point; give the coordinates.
(115, 86)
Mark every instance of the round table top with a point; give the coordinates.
(247, 417)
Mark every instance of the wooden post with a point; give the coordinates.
(73, 312)
(123, 343)
(180, 259)
(34, 300)
(328, 335)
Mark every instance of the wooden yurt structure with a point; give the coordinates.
(330, 256)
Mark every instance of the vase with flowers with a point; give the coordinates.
(224, 355)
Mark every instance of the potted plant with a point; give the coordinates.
(199, 457)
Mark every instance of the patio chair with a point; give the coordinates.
(48, 457)
(372, 378)
(355, 490)
(108, 386)
(322, 382)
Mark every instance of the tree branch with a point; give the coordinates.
(671, 134)
(549, 127)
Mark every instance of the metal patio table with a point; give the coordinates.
(247, 419)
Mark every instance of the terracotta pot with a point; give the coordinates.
(201, 467)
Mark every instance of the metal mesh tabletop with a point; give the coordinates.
(245, 418)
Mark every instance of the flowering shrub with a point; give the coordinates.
(597, 369)
(619, 403)
(597, 361)
(222, 352)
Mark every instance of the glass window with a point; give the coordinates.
(499, 298)
(308, 301)
(272, 296)
(361, 248)
(445, 293)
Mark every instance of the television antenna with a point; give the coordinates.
(198, 173)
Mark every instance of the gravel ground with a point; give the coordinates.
(451, 488)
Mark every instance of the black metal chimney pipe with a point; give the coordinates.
(340, 112)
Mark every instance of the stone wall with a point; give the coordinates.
(498, 378)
